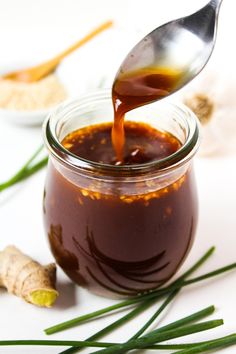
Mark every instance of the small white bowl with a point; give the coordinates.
(78, 72)
(23, 117)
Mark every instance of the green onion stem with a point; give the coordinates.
(143, 342)
(196, 316)
(125, 318)
(196, 265)
(223, 341)
(31, 159)
(133, 313)
(36, 167)
(182, 322)
(156, 337)
(174, 293)
(187, 347)
(155, 294)
(58, 343)
(155, 315)
(209, 345)
(143, 306)
(26, 170)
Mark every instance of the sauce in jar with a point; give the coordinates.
(143, 144)
(128, 229)
(114, 242)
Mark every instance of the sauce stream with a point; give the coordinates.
(134, 89)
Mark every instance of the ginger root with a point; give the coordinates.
(26, 278)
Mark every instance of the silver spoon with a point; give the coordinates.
(184, 45)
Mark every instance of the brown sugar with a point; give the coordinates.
(31, 96)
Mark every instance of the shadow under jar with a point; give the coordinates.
(120, 230)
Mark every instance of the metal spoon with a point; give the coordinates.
(184, 45)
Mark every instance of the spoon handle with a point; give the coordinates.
(216, 4)
(204, 22)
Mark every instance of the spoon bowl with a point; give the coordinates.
(184, 45)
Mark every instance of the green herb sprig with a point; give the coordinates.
(139, 343)
(142, 343)
(153, 340)
(155, 294)
(28, 169)
(143, 306)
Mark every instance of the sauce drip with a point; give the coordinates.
(134, 89)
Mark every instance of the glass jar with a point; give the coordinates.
(120, 230)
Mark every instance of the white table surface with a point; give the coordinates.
(33, 30)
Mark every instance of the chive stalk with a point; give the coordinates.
(26, 170)
(52, 343)
(143, 342)
(143, 306)
(155, 315)
(210, 345)
(155, 294)
(107, 329)
(187, 348)
(157, 337)
(121, 321)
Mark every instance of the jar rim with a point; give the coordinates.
(58, 151)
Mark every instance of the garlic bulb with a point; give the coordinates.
(211, 96)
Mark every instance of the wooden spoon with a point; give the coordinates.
(40, 71)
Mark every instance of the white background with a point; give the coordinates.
(31, 31)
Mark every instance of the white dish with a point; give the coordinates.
(91, 67)
(27, 117)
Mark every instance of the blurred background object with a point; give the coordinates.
(33, 31)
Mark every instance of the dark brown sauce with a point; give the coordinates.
(114, 242)
(134, 89)
(116, 236)
(143, 144)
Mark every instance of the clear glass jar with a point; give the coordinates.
(120, 230)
